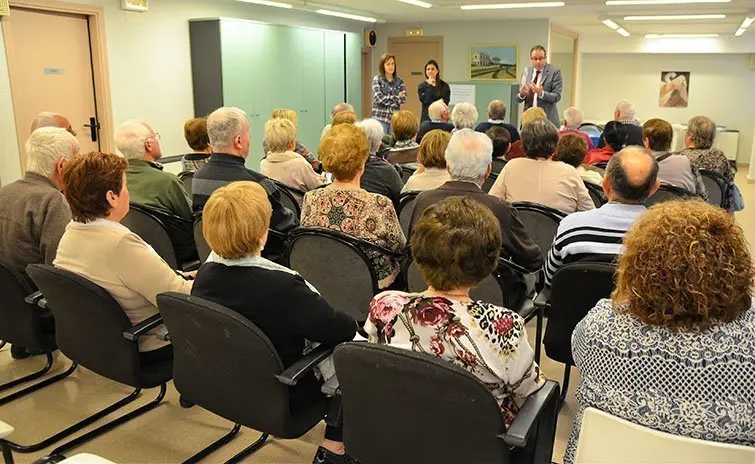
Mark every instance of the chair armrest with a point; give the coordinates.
(36, 299)
(303, 366)
(331, 387)
(528, 310)
(533, 410)
(143, 327)
(543, 298)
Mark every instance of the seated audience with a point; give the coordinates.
(195, 133)
(379, 175)
(573, 118)
(432, 172)
(501, 145)
(673, 169)
(285, 165)
(344, 117)
(532, 114)
(33, 212)
(299, 147)
(276, 299)
(625, 114)
(346, 207)
(150, 186)
(631, 177)
(50, 119)
(336, 109)
(572, 150)
(228, 129)
(96, 246)
(537, 178)
(439, 117)
(405, 126)
(464, 116)
(496, 113)
(673, 349)
(487, 340)
(615, 138)
(701, 132)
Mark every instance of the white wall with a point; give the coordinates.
(720, 88)
(10, 163)
(565, 62)
(150, 65)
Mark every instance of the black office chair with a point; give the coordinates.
(289, 197)
(338, 266)
(668, 193)
(406, 170)
(717, 186)
(489, 182)
(203, 249)
(574, 291)
(596, 193)
(187, 178)
(92, 330)
(405, 211)
(226, 364)
(540, 221)
(23, 322)
(396, 402)
(148, 224)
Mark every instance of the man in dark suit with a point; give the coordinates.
(439, 119)
(624, 114)
(496, 113)
(541, 85)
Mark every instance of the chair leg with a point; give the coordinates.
(249, 450)
(7, 453)
(36, 386)
(539, 333)
(219, 443)
(565, 386)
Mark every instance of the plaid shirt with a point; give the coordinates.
(386, 98)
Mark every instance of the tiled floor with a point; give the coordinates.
(172, 434)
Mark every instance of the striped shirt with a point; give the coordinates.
(591, 234)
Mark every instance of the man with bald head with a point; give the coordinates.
(336, 109)
(49, 119)
(496, 113)
(596, 235)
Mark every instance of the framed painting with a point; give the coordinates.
(674, 91)
(494, 62)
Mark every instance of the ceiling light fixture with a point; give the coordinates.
(680, 36)
(611, 24)
(673, 17)
(417, 3)
(739, 32)
(623, 32)
(500, 6)
(347, 16)
(660, 2)
(268, 3)
(745, 24)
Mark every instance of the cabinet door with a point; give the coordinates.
(353, 57)
(335, 78)
(312, 107)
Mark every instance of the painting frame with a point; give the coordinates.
(483, 73)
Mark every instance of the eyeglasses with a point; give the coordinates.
(156, 136)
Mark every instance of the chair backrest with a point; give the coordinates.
(288, 197)
(150, 228)
(588, 126)
(19, 321)
(336, 266)
(540, 221)
(203, 249)
(667, 193)
(418, 390)
(596, 193)
(717, 187)
(490, 289)
(575, 289)
(606, 438)
(89, 324)
(187, 177)
(405, 210)
(489, 182)
(407, 169)
(224, 363)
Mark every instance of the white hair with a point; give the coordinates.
(573, 117)
(374, 131)
(496, 109)
(468, 155)
(223, 125)
(130, 137)
(436, 109)
(626, 109)
(46, 146)
(464, 116)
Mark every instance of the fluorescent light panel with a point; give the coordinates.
(347, 16)
(611, 24)
(746, 23)
(417, 3)
(500, 6)
(680, 36)
(660, 2)
(739, 32)
(673, 17)
(623, 32)
(268, 3)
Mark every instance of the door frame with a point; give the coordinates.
(575, 58)
(100, 75)
(366, 56)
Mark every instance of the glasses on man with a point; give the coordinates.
(155, 136)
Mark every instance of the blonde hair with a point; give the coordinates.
(532, 114)
(405, 125)
(285, 114)
(344, 151)
(280, 134)
(432, 149)
(344, 117)
(236, 218)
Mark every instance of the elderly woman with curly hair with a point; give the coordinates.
(674, 349)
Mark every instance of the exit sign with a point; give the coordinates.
(135, 5)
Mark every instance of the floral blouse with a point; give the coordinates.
(365, 215)
(711, 159)
(486, 340)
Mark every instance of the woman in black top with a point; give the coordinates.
(433, 89)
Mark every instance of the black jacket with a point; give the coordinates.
(429, 94)
(427, 126)
(513, 132)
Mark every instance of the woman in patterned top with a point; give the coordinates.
(701, 132)
(487, 340)
(346, 207)
(674, 349)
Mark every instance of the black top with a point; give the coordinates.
(634, 136)
(513, 132)
(429, 94)
(381, 177)
(279, 303)
(427, 126)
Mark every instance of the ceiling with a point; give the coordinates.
(582, 16)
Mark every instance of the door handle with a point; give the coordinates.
(94, 128)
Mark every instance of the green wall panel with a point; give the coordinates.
(334, 72)
(485, 92)
(354, 71)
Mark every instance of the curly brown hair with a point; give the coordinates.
(571, 149)
(195, 133)
(86, 180)
(686, 266)
(404, 125)
(343, 151)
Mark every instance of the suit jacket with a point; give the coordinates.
(552, 84)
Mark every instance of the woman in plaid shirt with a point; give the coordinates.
(388, 92)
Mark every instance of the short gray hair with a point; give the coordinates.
(626, 109)
(464, 116)
(573, 117)
(469, 155)
(374, 131)
(701, 131)
(496, 110)
(223, 125)
(341, 107)
(130, 137)
(539, 138)
(436, 109)
(46, 146)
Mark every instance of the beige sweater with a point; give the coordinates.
(428, 179)
(291, 169)
(113, 257)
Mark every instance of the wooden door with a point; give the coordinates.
(411, 55)
(50, 62)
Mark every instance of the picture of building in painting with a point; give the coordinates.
(493, 62)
